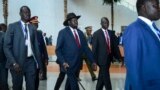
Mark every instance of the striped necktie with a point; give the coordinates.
(108, 42)
(157, 30)
(26, 32)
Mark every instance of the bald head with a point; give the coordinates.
(104, 22)
(25, 13)
(148, 9)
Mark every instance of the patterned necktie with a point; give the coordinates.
(108, 42)
(77, 40)
(157, 30)
(26, 32)
(26, 38)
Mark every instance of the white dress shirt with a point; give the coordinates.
(28, 41)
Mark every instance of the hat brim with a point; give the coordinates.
(65, 23)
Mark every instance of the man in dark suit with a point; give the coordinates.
(46, 39)
(103, 47)
(71, 44)
(43, 51)
(141, 41)
(22, 51)
(3, 70)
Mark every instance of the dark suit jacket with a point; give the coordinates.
(99, 47)
(14, 45)
(142, 57)
(42, 46)
(47, 40)
(2, 55)
(68, 51)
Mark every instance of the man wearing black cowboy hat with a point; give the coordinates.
(71, 44)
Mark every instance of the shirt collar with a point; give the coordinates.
(104, 30)
(23, 23)
(146, 20)
(72, 29)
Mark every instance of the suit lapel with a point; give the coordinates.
(147, 28)
(109, 33)
(71, 35)
(20, 28)
(103, 37)
(80, 36)
(102, 33)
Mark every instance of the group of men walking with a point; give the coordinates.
(21, 51)
(26, 55)
(72, 46)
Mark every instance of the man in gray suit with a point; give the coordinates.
(22, 52)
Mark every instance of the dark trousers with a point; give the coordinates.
(104, 78)
(3, 77)
(72, 82)
(122, 58)
(59, 80)
(29, 70)
(90, 68)
(44, 68)
(77, 73)
(37, 79)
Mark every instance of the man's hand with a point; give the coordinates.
(94, 67)
(65, 65)
(17, 68)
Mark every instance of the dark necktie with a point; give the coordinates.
(26, 37)
(77, 40)
(108, 42)
(26, 32)
(157, 30)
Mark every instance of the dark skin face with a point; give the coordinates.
(73, 23)
(151, 10)
(4, 28)
(104, 23)
(25, 14)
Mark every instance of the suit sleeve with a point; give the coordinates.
(59, 47)
(95, 46)
(8, 44)
(44, 48)
(37, 50)
(133, 57)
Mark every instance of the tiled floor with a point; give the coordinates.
(117, 78)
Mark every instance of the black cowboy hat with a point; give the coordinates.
(69, 17)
